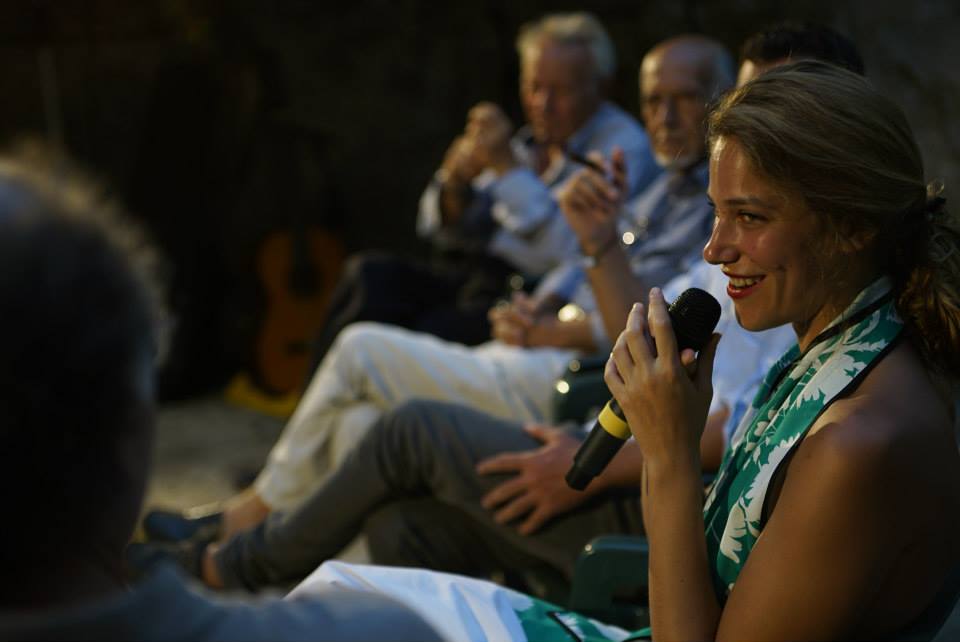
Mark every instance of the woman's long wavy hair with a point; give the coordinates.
(829, 136)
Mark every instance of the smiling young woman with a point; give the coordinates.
(835, 512)
(762, 239)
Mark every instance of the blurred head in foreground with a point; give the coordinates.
(78, 346)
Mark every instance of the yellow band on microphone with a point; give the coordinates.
(612, 423)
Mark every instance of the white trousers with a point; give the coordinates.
(372, 368)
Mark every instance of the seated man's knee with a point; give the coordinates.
(417, 422)
(426, 533)
(389, 536)
(362, 337)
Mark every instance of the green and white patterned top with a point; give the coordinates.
(792, 396)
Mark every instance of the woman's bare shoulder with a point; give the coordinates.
(898, 399)
(870, 500)
(897, 421)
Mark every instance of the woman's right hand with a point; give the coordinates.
(664, 392)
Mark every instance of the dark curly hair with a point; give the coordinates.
(796, 40)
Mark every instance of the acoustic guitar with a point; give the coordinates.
(298, 270)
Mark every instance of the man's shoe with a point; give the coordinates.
(167, 526)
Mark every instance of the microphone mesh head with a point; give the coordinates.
(694, 315)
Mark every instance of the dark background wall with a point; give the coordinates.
(217, 120)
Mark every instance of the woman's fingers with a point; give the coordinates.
(704, 376)
(635, 336)
(612, 376)
(688, 359)
(648, 341)
(626, 350)
(661, 327)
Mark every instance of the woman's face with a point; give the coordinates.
(769, 245)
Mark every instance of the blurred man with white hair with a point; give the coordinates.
(490, 210)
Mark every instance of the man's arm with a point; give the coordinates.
(484, 145)
(592, 204)
(460, 166)
(527, 323)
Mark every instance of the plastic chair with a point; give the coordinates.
(610, 581)
(610, 577)
(581, 392)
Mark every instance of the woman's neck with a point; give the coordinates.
(831, 308)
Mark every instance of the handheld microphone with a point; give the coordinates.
(694, 315)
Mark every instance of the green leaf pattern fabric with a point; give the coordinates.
(792, 396)
(545, 622)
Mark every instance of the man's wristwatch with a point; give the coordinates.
(588, 261)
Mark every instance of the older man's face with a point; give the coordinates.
(559, 89)
(674, 107)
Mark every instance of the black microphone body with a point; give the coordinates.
(694, 315)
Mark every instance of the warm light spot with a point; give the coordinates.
(571, 312)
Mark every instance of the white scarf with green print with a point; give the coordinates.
(792, 396)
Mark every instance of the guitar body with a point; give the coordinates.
(298, 272)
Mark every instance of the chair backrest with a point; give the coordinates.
(581, 392)
(610, 581)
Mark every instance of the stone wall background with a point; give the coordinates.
(192, 110)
